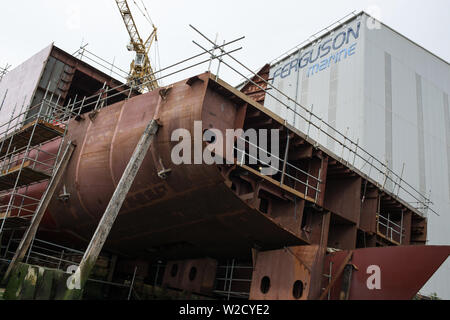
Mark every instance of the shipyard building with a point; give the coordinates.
(391, 97)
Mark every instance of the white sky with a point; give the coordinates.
(270, 27)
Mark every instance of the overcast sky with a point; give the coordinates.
(270, 27)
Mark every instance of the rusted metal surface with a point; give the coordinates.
(284, 274)
(219, 211)
(197, 275)
(193, 212)
(197, 201)
(403, 271)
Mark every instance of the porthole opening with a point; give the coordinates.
(265, 285)
(192, 273)
(174, 270)
(297, 290)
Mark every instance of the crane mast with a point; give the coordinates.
(141, 72)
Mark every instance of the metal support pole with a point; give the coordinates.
(387, 226)
(226, 277)
(81, 106)
(386, 174)
(318, 181)
(400, 179)
(286, 154)
(158, 265)
(310, 119)
(356, 151)
(60, 259)
(401, 229)
(213, 52)
(132, 283)
(220, 60)
(100, 96)
(231, 279)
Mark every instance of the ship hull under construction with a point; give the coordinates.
(197, 214)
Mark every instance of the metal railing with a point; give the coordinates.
(389, 229)
(22, 149)
(44, 253)
(231, 278)
(283, 170)
(16, 202)
(316, 126)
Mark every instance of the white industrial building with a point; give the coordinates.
(389, 96)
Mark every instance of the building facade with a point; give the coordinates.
(379, 92)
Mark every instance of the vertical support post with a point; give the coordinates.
(307, 179)
(158, 265)
(220, 61)
(226, 277)
(99, 96)
(231, 279)
(60, 259)
(344, 144)
(213, 52)
(319, 177)
(310, 119)
(356, 151)
(286, 154)
(401, 229)
(387, 226)
(73, 108)
(400, 179)
(81, 106)
(132, 283)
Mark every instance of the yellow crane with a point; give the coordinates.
(141, 72)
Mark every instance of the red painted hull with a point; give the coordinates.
(403, 271)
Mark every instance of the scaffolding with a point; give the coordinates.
(31, 154)
(351, 154)
(31, 147)
(233, 280)
(30, 151)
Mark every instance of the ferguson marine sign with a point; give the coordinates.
(321, 56)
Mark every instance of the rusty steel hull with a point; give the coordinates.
(281, 226)
(192, 212)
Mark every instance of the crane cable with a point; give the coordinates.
(146, 15)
